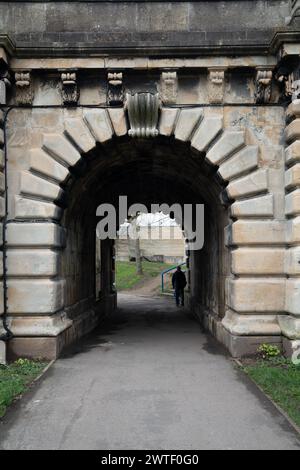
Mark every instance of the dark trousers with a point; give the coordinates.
(179, 294)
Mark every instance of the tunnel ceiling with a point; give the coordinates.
(146, 171)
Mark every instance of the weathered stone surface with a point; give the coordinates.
(208, 130)
(187, 120)
(32, 262)
(229, 143)
(2, 351)
(2, 182)
(292, 261)
(251, 324)
(290, 327)
(292, 131)
(59, 147)
(41, 162)
(258, 232)
(30, 208)
(78, 132)
(35, 234)
(293, 231)
(42, 347)
(258, 261)
(1, 159)
(33, 185)
(293, 110)
(99, 124)
(167, 120)
(39, 325)
(291, 347)
(2, 207)
(118, 119)
(244, 161)
(249, 185)
(256, 207)
(292, 153)
(1, 137)
(293, 296)
(35, 296)
(257, 295)
(292, 177)
(292, 203)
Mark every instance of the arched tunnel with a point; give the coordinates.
(147, 171)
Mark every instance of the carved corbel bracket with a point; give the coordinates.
(263, 86)
(143, 109)
(69, 89)
(115, 91)
(24, 91)
(168, 87)
(216, 85)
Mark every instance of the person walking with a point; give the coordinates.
(179, 283)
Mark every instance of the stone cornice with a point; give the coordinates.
(85, 48)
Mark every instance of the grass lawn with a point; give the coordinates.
(126, 277)
(15, 378)
(280, 379)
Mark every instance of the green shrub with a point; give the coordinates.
(268, 351)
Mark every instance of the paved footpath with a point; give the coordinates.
(147, 379)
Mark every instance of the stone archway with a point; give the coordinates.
(255, 291)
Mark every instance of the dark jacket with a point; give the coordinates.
(178, 280)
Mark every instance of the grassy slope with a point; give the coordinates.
(15, 378)
(280, 379)
(126, 277)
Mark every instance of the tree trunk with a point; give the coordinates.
(138, 259)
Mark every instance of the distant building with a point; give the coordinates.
(161, 239)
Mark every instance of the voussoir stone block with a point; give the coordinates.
(258, 261)
(293, 231)
(208, 130)
(59, 147)
(243, 161)
(292, 261)
(30, 208)
(167, 120)
(249, 185)
(32, 262)
(35, 234)
(229, 143)
(292, 131)
(256, 207)
(186, 122)
(293, 296)
(118, 119)
(251, 324)
(258, 232)
(257, 295)
(42, 162)
(35, 296)
(292, 203)
(292, 153)
(292, 177)
(293, 110)
(33, 185)
(79, 133)
(99, 124)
